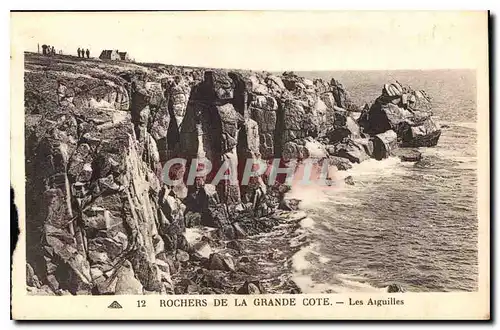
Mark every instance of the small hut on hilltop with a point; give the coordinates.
(110, 55)
(124, 56)
(115, 55)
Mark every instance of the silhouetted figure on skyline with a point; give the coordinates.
(79, 52)
(88, 53)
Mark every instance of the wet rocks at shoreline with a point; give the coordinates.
(409, 155)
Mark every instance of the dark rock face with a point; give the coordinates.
(100, 222)
(210, 130)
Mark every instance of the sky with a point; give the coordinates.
(274, 41)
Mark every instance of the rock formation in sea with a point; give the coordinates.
(102, 215)
(405, 111)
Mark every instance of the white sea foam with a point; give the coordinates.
(309, 195)
(373, 168)
(307, 259)
(323, 259)
(307, 285)
(307, 223)
(354, 284)
(299, 261)
(314, 195)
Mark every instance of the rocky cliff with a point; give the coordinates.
(105, 217)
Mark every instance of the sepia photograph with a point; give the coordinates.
(149, 173)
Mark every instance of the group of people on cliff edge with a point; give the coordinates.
(82, 52)
(47, 50)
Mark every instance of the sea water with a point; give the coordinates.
(414, 224)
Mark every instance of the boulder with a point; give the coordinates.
(384, 144)
(328, 100)
(353, 151)
(395, 288)
(344, 127)
(206, 202)
(349, 180)
(394, 89)
(226, 232)
(367, 145)
(342, 164)
(220, 262)
(265, 118)
(425, 135)
(251, 287)
(408, 155)
(314, 149)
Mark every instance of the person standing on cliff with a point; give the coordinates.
(88, 53)
(44, 49)
(79, 51)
